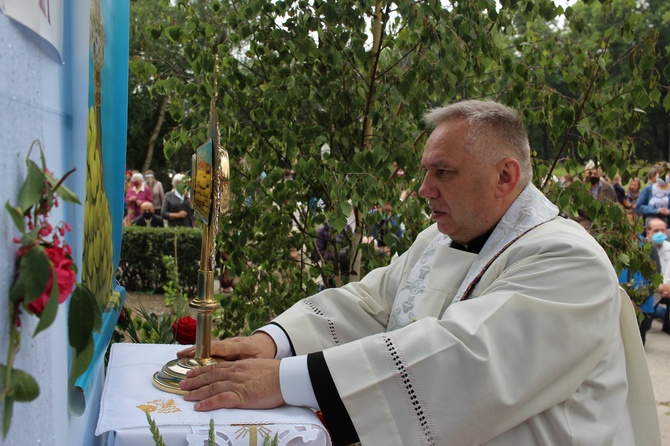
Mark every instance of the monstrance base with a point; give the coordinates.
(168, 378)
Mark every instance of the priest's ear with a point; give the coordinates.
(509, 173)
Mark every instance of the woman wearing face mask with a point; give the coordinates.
(654, 200)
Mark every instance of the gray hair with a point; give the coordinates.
(177, 179)
(137, 176)
(647, 226)
(496, 132)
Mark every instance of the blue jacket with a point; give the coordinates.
(639, 281)
(642, 206)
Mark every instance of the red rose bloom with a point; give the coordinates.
(65, 278)
(184, 330)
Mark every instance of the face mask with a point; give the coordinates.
(148, 215)
(659, 238)
(661, 182)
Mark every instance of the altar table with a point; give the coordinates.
(129, 394)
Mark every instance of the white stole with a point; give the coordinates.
(530, 209)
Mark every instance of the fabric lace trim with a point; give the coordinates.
(331, 325)
(403, 376)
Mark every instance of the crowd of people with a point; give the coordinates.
(649, 206)
(146, 203)
(652, 201)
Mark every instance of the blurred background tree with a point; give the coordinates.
(320, 106)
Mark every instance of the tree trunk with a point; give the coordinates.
(355, 259)
(154, 134)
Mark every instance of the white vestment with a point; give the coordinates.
(664, 258)
(539, 351)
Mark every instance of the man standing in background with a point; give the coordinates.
(176, 208)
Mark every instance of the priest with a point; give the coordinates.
(503, 324)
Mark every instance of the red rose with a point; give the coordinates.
(184, 330)
(65, 278)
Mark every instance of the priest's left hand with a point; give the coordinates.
(244, 384)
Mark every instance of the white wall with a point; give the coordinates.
(40, 100)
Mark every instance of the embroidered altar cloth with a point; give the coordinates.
(129, 394)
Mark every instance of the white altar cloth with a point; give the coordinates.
(129, 393)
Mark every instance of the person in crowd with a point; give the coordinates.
(600, 187)
(176, 208)
(128, 185)
(654, 200)
(619, 189)
(322, 242)
(379, 230)
(503, 324)
(567, 179)
(156, 190)
(601, 190)
(148, 216)
(137, 194)
(323, 254)
(630, 200)
(657, 235)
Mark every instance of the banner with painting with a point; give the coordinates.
(105, 168)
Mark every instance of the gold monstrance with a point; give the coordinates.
(210, 182)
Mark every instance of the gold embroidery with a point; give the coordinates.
(160, 406)
(254, 431)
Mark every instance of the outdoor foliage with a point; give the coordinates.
(335, 91)
(144, 328)
(141, 266)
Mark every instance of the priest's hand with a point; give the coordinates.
(258, 345)
(244, 384)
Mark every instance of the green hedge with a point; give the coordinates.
(142, 249)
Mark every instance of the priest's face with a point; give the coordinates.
(460, 190)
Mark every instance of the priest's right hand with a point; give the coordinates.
(258, 345)
(244, 384)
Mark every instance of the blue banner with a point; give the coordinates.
(105, 174)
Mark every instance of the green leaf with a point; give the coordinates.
(31, 190)
(33, 274)
(624, 259)
(51, 308)
(67, 195)
(17, 290)
(24, 386)
(7, 410)
(174, 33)
(647, 62)
(81, 318)
(17, 216)
(666, 102)
(155, 33)
(81, 361)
